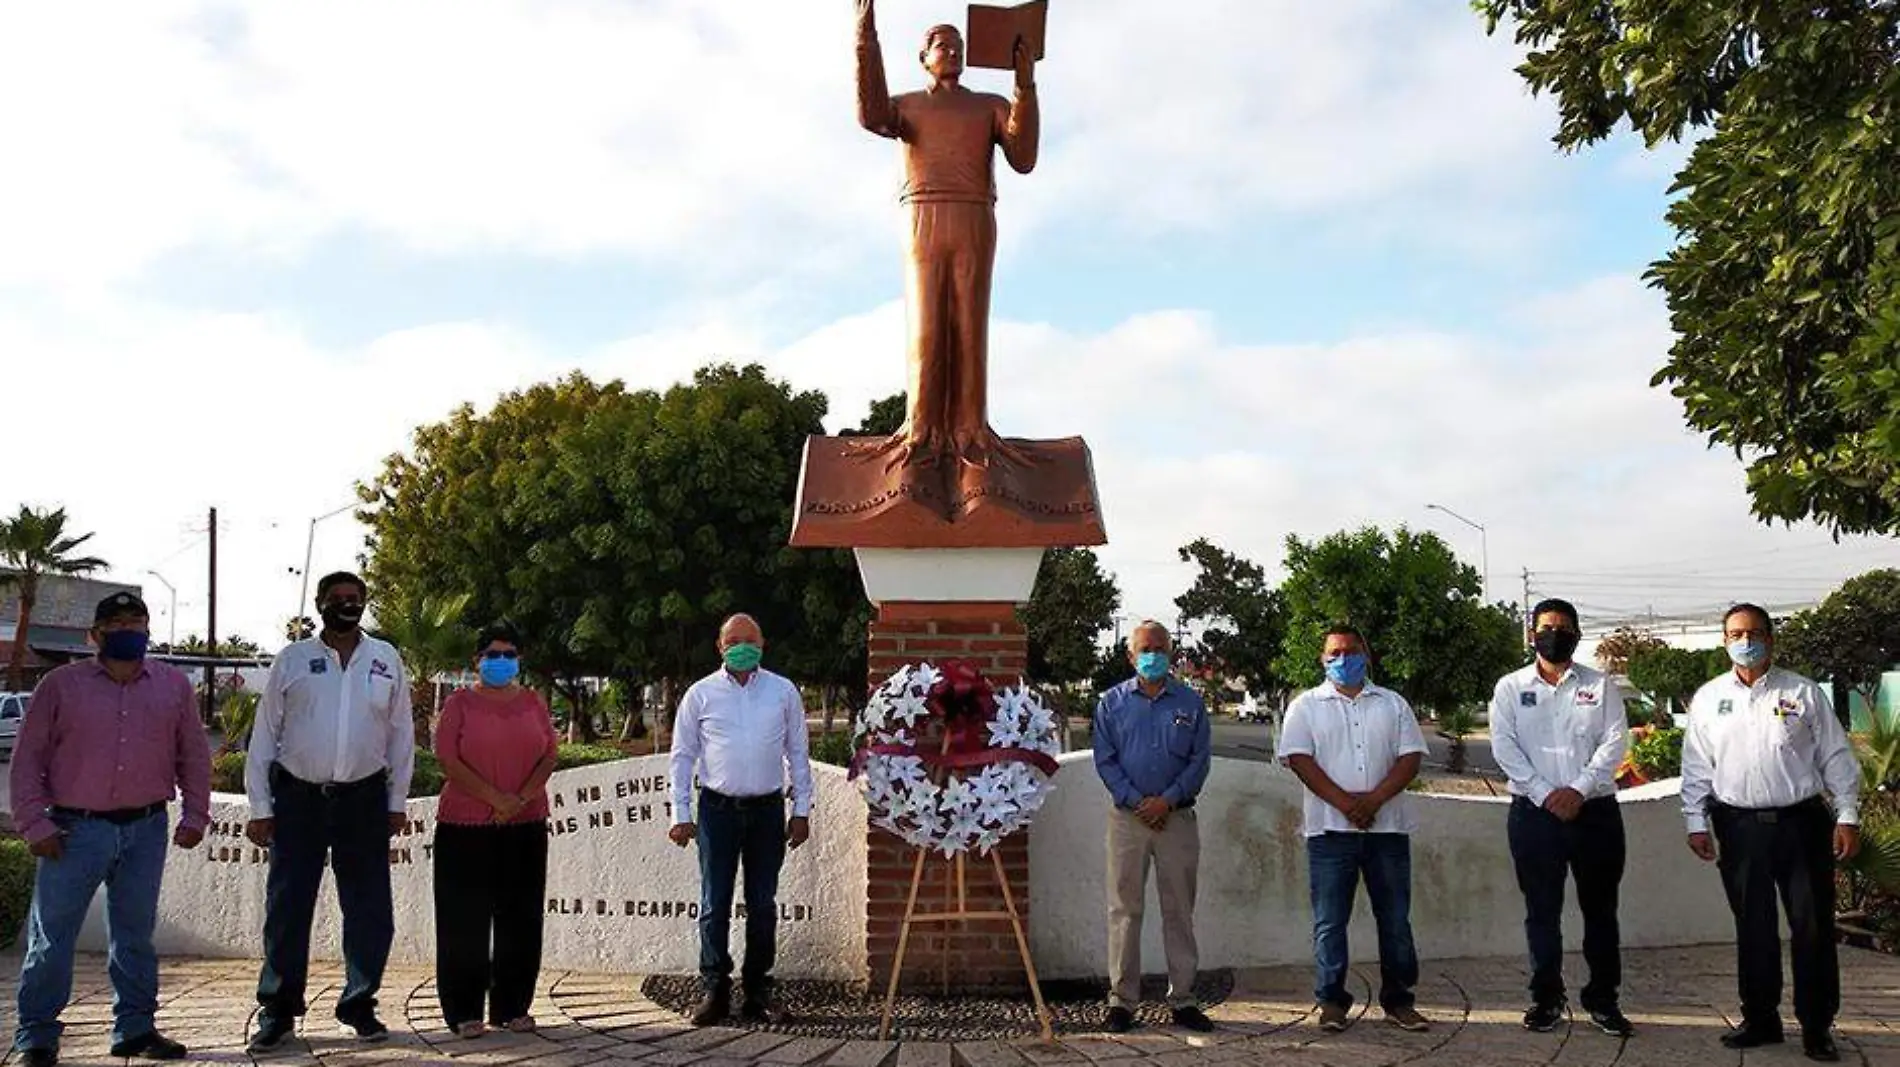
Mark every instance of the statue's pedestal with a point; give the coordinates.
(934, 605)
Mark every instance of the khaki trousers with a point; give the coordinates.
(1175, 852)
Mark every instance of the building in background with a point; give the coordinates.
(62, 618)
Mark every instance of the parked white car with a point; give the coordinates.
(12, 710)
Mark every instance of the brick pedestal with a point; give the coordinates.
(978, 956)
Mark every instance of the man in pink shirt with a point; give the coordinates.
(105, 744)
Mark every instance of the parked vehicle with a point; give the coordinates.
(12, 710)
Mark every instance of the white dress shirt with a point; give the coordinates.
(1770, 745)
(741, 740)
(1549, 737)
(1355, 740)
(329, 723)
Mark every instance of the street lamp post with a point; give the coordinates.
(173, 616)
(1484, 546)
(309, 546)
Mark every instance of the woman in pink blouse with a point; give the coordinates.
(497, 748)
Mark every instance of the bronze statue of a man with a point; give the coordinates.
(949, 134)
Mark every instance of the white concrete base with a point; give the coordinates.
(932, 575)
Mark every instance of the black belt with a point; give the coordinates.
(117, 817)
(723, 800)
(1805, 807)
(281, 777)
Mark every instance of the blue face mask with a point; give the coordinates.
(499, 671)
(1347, 670)
(1152, 666)
(1747, 653)
(125, 646)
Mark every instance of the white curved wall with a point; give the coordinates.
(1254, 909)
(621, 897)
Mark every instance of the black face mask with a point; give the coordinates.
(1556, 646)
(341, 618)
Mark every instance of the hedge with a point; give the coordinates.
(16, 888)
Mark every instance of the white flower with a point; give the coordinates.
(909, 708)
(1003, 732)
(1041, 720)
(995, 812)
(925, 676)
(957, 795)
(989, 839)
(873, 716)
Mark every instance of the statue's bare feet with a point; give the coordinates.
(982, 448)
(901, 449)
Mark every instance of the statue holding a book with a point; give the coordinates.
(946, 464)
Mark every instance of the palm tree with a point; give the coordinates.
(432, 638)
(33, 544)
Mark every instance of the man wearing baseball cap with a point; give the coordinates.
(105, 744)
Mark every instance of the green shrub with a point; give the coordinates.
(427, 780)
(834, 748)
(575, 755)
(1658, 755)
(16, 888)
(227, 772)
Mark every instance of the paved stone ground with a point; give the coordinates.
(1680, 999)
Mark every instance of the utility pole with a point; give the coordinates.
(1528, 621)
(211, 626)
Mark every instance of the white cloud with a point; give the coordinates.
(1545, 430)
(718, 139)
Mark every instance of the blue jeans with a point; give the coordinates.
(128, 860)
(1334, 863)
(732, 831)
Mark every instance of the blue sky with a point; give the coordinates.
(1288, 267)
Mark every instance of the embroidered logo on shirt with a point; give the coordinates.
(1725, 707)
(379, 669)
(1587, 698)
(1786, 707)
(319, 666)
(1527, 699)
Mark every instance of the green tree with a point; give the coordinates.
(616, 528)
(1672, 675)
(1784, 285)
(434, 638)
(1112, 668)
(1851, 638)
(33, 545)
(1074, 601)
(234, 647)
(1433, 638)
(1243, 617)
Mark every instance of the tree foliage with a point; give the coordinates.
(1433, 638)
(1074, 601)
(1850, 638)
(618, 528)
(1672, 675)
(1784, 287)
(1614, 651)
(1242, 617)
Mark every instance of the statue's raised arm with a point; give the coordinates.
(875, 110)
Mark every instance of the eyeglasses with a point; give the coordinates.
(498, 653)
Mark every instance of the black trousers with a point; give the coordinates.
(490, 882)
(1548, 851)
(350, 824)
(1790, 851)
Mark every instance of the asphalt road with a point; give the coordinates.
(1252, 741)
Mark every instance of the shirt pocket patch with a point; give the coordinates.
(1181, 738)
